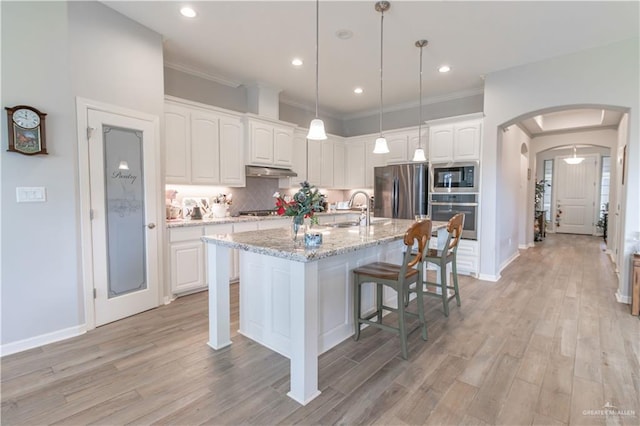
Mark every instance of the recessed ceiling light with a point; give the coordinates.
(187, 12)
(344, 34)
(358, 90)
(296, 62)
(444, 68)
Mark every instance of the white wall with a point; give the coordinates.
(606, 76)
(75, 49)
(510, 207)
(40, 288)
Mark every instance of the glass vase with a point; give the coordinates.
(297, 228)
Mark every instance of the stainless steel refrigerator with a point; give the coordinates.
(401, 190)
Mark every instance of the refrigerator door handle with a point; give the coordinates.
(395, 203)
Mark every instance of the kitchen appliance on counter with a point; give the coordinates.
(401, 191)
(444, 206)
(455, 177)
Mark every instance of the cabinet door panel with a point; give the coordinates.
(282, 147)
(315, 161)
(372, 160)
(177, 144)
(187, 266)
(467, 141)
(441, 144)
(205, 148)
(339, 165)
(326, 167)
(354, 170)
(397, 149)
(231, 152)
(261, 143)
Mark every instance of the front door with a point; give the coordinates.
(576, 195)
(124, 235)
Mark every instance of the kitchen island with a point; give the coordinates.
(297, 301)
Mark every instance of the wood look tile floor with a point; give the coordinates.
(546, 345)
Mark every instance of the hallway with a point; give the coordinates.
(547, 344)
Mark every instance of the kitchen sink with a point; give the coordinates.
(342, 224)
(352, 223)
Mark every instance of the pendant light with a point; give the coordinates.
(381, 146)
(316, 128)
(574, 159)
(419, 154)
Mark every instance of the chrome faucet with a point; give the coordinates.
(353, 196)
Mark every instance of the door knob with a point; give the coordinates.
(151, 225)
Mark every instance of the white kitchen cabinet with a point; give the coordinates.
(269, 143)
(455, 139)
(355, 163)
(299, 160)
(205, 148)
(397, 143)
(468, 257)
(326, 165)
(314, 164)
(177, 136)
(339, 164)
(203, 145)
(372, 160)
(232, 171)
(186, 254)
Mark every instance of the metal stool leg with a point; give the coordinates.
(356, 306)
(455, 281)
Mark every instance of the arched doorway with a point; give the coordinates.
(550, 134)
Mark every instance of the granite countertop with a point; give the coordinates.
(181, 223)
(336, 241)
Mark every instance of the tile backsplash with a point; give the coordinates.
(257, 195)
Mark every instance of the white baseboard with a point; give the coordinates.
(43, 339)
(524, 246)
(487, 277)
(623, 299)
(508, 261)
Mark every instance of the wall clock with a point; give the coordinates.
(26, 130)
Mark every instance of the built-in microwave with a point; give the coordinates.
(454, 177)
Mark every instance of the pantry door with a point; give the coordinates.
(576, 195)
(122, 169)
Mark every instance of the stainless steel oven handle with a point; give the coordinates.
(455, 204)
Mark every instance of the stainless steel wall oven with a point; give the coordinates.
(444, 206)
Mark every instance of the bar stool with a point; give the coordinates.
(441, 258)
(399, 278)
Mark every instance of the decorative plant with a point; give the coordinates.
(303, 204)
(539, 196)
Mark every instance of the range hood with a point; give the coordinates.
(269, 172)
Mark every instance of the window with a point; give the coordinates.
(546, 199)
(604, 185)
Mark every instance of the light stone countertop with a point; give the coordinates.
(181, 223)
(336, 241)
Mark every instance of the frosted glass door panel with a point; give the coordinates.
(124, 198)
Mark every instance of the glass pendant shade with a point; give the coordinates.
(381, 146)
(316, 130)
(574, 159)
(419, 155)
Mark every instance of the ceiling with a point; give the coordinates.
(250, 42)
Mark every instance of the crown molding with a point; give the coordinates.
(217, 79)
(413, 104)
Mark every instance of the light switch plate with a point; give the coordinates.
(34, 194)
